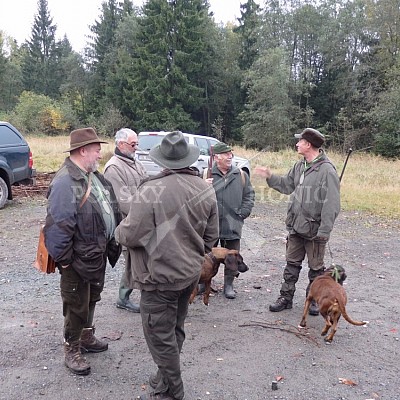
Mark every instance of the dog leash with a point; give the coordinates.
(335, 272)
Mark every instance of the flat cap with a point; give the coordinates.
(220, 148)
(316, 138)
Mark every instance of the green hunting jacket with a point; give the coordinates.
(235, 198)
(314, 200)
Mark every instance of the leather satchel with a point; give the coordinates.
(44, 261)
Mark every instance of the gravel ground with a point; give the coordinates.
(234, 348)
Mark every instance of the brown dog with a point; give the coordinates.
(328, 292)
(230, 258)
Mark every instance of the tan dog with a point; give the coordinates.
(232, 260)
(328, 292)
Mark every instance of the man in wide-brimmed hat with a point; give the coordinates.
(82, 214)
(167, 233)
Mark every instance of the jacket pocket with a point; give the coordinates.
(89, 258)
(306, 227)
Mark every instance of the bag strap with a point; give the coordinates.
(243, 177)
(87, 194)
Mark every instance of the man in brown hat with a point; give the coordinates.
(172, 225)
(82, 214)
(312, 210)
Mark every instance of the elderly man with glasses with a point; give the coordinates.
(125, 173)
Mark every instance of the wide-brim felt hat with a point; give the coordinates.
(174, 152)
(316, 138)
(82, 137)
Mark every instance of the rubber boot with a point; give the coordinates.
(124, 302)
(201, 288)
(74, 360)
(90, 343)
(228, 287)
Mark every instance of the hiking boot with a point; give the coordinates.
(74, 360)
(126, 304)
(90, 343)
(228, 287)
(314, 309)
(280, 304)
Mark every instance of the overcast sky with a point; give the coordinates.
(72, 17)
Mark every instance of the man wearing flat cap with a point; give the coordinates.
(167, 233)
(235, 198)
(312, 210)
(82, 214)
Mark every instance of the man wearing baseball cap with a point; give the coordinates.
(312, 210)
(82, 214)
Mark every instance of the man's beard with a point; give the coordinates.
(129, 154)
(93, 167)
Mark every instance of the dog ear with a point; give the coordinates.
(231, 261)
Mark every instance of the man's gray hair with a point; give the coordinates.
(122, 135)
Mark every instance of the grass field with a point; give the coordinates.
(370, 183)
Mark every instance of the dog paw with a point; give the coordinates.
(301, 326)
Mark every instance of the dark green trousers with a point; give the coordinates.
(79, 301)
(163, 316)
(297, 248)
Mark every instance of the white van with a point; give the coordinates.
(147, 140)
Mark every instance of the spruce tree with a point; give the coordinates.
(41, 64)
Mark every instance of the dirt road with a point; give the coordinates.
(234, 348)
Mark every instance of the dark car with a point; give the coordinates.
(16, 163)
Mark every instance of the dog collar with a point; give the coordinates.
(212, 258)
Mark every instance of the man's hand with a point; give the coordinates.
(264, 172)
(320, 238)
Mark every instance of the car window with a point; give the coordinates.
(147, 142)
(8, 136)
(203, 145)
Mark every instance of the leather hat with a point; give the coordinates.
(316, 138)
(220, 148)
(82, 137)
(174, 152)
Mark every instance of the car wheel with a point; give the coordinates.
(3, 192)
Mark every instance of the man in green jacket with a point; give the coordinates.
(235, 198)
(173, 224)
(312, 210)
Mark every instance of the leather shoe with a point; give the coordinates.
(158, 396)
(126, 304)
(280, 304)
(314, 309)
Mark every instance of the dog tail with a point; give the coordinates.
(346, 316)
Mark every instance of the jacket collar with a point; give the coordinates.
(119, 154)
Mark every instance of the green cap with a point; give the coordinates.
(220, 148)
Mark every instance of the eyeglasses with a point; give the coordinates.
(133, 144)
